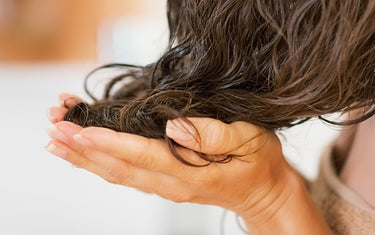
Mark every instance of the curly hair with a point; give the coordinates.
(271, 63)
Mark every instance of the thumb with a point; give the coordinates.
(212, 136)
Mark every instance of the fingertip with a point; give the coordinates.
(181, 125)
(181, 132)
(55, 150)
(168, 128)
(210, 135)
(68, 100)
(56, 114)
(51, 116)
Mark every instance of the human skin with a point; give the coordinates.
(259, 186)
(358, 171)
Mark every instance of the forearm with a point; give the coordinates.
(291, 212)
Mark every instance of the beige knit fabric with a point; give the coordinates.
(345, 211)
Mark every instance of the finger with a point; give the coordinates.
(68, 100)
(141, 152)
(117, 171)
(61, 150)
(163, 185)
(149, 154)
(138, 150)
(132, 159)
(56, 114)
(63, 131)
(211, 136)
(144, 179)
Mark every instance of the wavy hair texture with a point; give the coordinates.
(270, 63)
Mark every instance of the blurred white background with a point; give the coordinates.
(43, 195)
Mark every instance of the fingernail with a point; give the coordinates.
(55, 133)
(83, 141)
(50, 117)
(180, 130)
(56, 151)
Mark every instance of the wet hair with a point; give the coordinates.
(271, 63)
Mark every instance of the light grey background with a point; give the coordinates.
(43, 195)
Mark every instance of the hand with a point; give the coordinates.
(254, 185)
(56, 114)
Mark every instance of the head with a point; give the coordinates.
(270, 63)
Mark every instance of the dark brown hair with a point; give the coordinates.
(270, 63)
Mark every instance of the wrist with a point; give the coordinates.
(288, 209)
(264, 204)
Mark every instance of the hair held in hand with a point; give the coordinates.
(270, 63)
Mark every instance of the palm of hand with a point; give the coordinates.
(246, 184)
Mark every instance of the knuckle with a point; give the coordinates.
(182, 198)
(111, 179)
(216, 133)
(215, 178)
(177, 200)
(121, 173)
(84, 151)
(250, 138)
(219, 189)
(255, 143)
(144, 159)
(146, 162)
(75, 165)
(76, 161)
(208, 178)
(114, 179)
